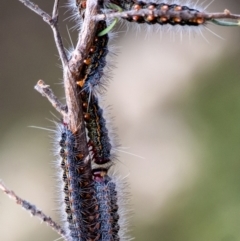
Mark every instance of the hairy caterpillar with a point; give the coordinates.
(106, 195)
(94, 64)
(163, 13)
(66, 178)
(98, 134)
(79, 195)
(91, 76)
(91, 200)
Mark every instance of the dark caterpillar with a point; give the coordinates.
(92, 72)
(91, 76)
(81, 5)
(106, 195)
(99, 141)
(80, 200)
(162, 13)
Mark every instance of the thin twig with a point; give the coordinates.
(156, 13)
(225, 15)
(34, 7)
(53, 22)
(34, 211)
(55, 9)
(57, 36)
(45, 90)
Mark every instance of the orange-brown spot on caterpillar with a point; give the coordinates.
(84, 184)
(83, 95)
(194, 20)
(81, 83)
(86, 116)
(92, 49)
(150, 18)
(87, 196)
(163, 19)
(137, 7)
(87, 61)
(164, 8)
(85, 105)
(136, 18)
(151, 7)
(200, 20)
(177, 20)
(90, 218)
(178, 8)
(81, 170)
(96, 207)
(83, 4)
(80, 156)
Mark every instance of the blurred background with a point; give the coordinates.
(175, 100)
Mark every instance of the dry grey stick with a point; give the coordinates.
(53, 22)
(34, 211)
(45, 90)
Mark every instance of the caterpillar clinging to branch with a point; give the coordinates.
(91, 197)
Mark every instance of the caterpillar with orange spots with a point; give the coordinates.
(93, 70)
(107, 198)
(99, 140)
(80, 213)
(172, 14)
(156, 12)
(91, 77)
(91, 197)
(162, 13)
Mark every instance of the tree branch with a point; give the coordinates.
(34, 211)
(45, 90)
(86, 37)
(53, 22)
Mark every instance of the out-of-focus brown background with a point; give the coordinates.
(176, 102)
